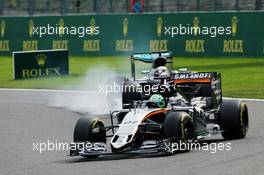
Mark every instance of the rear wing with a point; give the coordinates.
(188, 77)
(149, 58)
(208, 83)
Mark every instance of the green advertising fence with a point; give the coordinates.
(202, 34)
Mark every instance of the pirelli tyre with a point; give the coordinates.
(89, 129)
(233, 119)
(179, 127)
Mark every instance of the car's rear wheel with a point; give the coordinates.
(179, 127)
(233, 119)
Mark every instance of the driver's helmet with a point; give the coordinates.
(157, 100)
(160, 61)
(162, 72)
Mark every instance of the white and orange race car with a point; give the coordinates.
(187, 107)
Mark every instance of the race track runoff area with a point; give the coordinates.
(28, 117)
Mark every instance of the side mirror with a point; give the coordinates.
(145, 72)
(184, 70)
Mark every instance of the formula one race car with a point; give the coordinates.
(185, 107)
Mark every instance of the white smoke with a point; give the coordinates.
(87, 96)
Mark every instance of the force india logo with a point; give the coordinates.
(183, 76)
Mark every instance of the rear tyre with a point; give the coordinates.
(233, 119)
(179, 127)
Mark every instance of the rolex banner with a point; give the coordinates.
(204, 34)
(32, 64)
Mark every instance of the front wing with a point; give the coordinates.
(97, 149)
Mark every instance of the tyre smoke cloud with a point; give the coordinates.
(87, 99)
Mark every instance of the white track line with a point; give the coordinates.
(94, 92)
(48, 90)
(246, 99)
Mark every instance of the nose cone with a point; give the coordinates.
(119, 141)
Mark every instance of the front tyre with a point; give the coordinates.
(89, 129)
(233, 119)
(179, 127)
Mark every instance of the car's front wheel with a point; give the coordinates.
(88, 130)
(179, 127)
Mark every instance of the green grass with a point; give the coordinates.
(241, 77)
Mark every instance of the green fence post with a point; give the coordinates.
(94, 6)
(78, 6)
(18, 4)
(1, 8)
(258, 5)
(31, 7)
(237, 5)
(63, 7)
(111, 6)
(48, 5)
(215, 5)
(146, 3)
(198, 5)
(178, 5)
(162, 5)
(128, 6)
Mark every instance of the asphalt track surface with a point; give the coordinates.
(26, 118)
